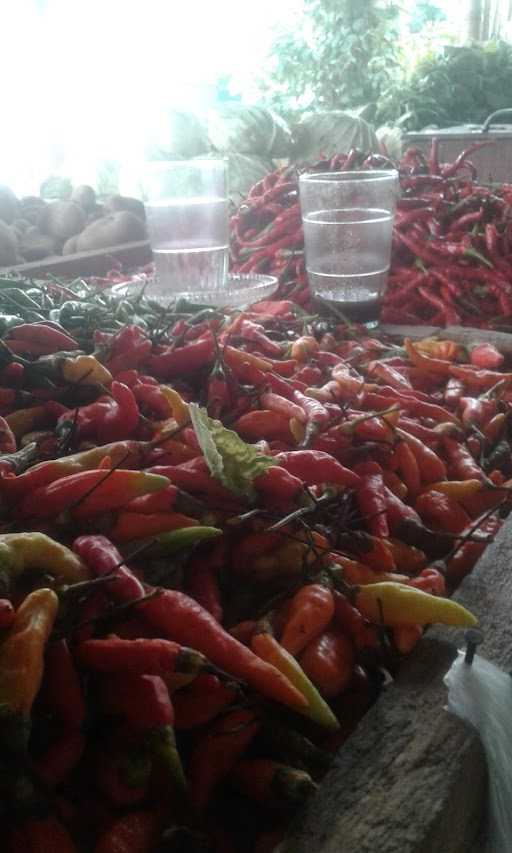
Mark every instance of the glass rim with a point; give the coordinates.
(355, 177)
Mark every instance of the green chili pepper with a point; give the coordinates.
(168, 543)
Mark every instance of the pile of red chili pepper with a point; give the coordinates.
(216, 543)
(451, 253)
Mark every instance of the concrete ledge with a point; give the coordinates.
(412, 778)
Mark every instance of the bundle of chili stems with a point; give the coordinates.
(451, 252)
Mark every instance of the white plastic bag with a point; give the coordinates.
(481, 694)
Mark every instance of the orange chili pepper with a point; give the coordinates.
(311, 610)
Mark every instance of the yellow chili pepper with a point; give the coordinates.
(178, 406)
(85, 370)
(456, 489)
(22, 551)
(22, 663)
(268, 649)
(448, 350)
(297, 429)
(397, 604)
(437, 366)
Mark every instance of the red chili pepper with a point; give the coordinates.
(62, 690)
(45, 835)
(93, 492)
(478, 380)
(486, 356)
(453, 391)
(282, 406)
(429, 580)
(103, 558)
(442, 512)
(309, 374)
(194, 477)
(352, 623)
(134, 525)
(431, 467)
(476, 411)
(448, 171)
(407, 464)
(278, 486)
(179, 361)
(315, 466)
(139, 656)
(202, 584)
(398, 513)
(134, 832)
(50, 339)
(371, 499)
(263, 424)
(254, 332)
(309, 614)
(182, 619)
(60, 759)
(218, 751)
(328, 661)
(7, 614)
(461, 464)
(468, 553)
(200, 702)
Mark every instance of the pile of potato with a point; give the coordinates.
(32, 228)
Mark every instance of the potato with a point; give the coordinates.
(21, 225)
(9, 205)
(69, 247)
(31, 207)
(34, 245)
(115, 203)
(61, 220)
(122, 227)
(85, 197)
(8, 246)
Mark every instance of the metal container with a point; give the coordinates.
(493, 163)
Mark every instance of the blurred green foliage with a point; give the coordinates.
(459, 85)
(340, 55)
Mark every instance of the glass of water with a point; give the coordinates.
(348, 225)
(188, 226)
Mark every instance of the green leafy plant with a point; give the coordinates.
(456, 86)
(340, 55)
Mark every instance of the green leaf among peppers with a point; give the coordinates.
(230, 460)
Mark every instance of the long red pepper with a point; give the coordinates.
(183, 620)
(370, 498)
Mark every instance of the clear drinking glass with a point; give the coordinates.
(348, 225)
(188, 226)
